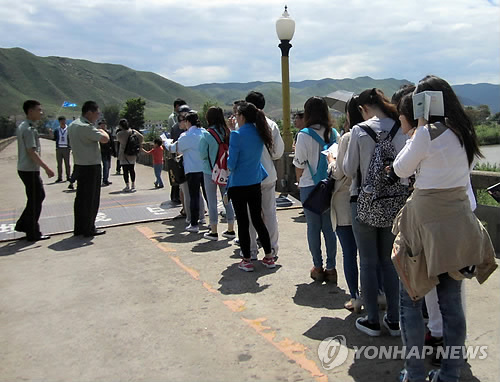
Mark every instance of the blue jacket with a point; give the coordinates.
(245, 150)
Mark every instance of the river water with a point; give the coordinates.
(491, 154)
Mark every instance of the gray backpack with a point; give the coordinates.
(379, 199)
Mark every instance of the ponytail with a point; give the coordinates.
(376, 97)
(256, 116)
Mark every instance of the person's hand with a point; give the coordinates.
(49, 172)
(232, 122)
(422, 121)
(331, 158)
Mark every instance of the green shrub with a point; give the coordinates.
(487, 167)
(488, 134)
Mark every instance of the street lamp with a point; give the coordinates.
(285, 28)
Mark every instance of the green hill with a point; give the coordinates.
(299, 91)
(52, 80)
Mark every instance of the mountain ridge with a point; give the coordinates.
(55, 79)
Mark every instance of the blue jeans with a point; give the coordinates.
(106, 165)
(375, 248)
(454, 328)
(157, 168)
(315, 225)
(349, 252)
(211, 190)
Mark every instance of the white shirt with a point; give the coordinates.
(307, 150)
(277, 151)
(438, 163)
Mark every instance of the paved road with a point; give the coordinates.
(149, 302)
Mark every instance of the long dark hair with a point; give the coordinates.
(215, 117)
(352, 109)
(193, 119)
(123, 123)
(253, 115)
(455, 117)
(316, 113)
(376, 97)
(405, 107)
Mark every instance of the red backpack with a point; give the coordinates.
(220, 172)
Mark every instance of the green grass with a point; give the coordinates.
(486, 199)
(488, 134)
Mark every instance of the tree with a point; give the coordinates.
(478, 114)
(133, 112)
(111, 114)
(202, 115)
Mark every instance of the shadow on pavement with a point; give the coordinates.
(318, 295)
(17, 246)
(236, 281)
(207, 245)
(299, 219)
(71, 242)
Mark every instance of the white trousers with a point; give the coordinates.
(435, 324)
(269, 215)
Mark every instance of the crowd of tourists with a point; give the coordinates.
(397, 189)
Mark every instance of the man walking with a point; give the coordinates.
(85, 139)
(28, 168)
(63, 149)
(268, 185)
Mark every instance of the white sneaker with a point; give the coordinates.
(202, 221)
(126, 189)
(193, 228)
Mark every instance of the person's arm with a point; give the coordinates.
(278, 144)
(300, 157)
(413, 153)
(234, 151)
(204, 148)
(350, 164)
(105, 136)
(337, 170)
(38, 160)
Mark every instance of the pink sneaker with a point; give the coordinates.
(269, 262)
(246, 266)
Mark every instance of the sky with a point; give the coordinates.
(193, 42)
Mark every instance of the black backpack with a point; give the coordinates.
(380, 200)
(133, 146)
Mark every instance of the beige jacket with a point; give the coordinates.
(122, 137)
(340, 209)
(437, 232)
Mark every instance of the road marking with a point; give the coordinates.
(293, 350)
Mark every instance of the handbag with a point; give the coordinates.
(176, 170)
(320, 197)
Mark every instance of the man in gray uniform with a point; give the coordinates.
(85, 138)
(28, 168)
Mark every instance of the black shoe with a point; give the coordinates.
(97, 232)
(38, 238)
(160, 186)
(58, 180)
(71, 187)
(367, 327)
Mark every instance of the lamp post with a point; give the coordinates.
(285, 28)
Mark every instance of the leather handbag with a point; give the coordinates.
(320, 197)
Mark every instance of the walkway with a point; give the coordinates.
(150, 302)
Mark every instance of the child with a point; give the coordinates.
(157, 153)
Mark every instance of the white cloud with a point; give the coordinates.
(222, 40)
